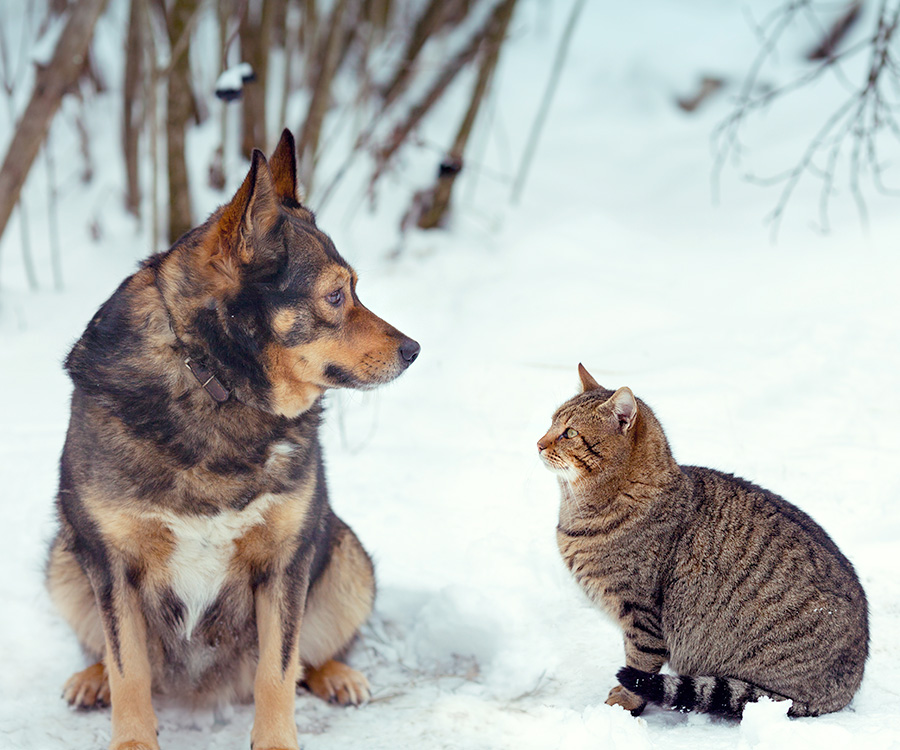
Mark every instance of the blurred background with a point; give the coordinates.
(406, 108)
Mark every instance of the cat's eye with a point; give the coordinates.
(570, 433)
(336, 298)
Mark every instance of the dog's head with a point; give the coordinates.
(273, 301)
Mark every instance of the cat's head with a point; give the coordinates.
(592, 434)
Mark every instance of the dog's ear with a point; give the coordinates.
(250, 214)
(284, 168)
(254, 208)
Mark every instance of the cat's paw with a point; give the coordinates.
(338, 683)
(620, 696)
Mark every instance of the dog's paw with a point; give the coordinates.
(337, 682)
(88, 688)
(620, 696)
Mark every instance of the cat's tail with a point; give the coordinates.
(722, 696)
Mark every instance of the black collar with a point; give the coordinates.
(206, 377)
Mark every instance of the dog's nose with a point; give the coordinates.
(409, 350)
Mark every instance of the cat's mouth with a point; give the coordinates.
(557, 466)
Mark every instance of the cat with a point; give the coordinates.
(741, 592)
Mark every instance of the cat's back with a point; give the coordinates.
(751, 525)
(763, 584)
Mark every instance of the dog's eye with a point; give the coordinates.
(336, 298)
(570, 433)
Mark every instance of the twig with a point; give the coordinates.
(849, 133)
(24, 231)
(838, 31)
(132, 109)
(229, 40)
(401, 131)
(428, 22)
(439, 197)
(418, 111)
(51, 83)
(53, 217)
(308, 142)
(152, 96)
(538, 125)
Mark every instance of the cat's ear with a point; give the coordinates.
(587, 381)
(624, 409)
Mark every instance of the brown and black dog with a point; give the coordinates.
(197, 554)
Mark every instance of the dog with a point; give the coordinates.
(197, 554)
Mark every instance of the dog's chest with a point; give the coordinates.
(203, 553)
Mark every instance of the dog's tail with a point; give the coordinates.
(722, 696)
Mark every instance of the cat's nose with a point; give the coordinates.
(541, 445)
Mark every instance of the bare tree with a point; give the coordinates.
(8, 73)
(179, 109)
(372, 45)
(132, 101)
(422, 106)
(51, 83)
(428, 22)
(321, 95)
(434, 206)
(856, 132)
(537, 126)
(256, 36)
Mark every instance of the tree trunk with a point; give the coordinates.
(51, 83)
(452, 165)
(132, 101)
(318, 104)
(179, 109)
(423, 106)
(309, 33)
(377, 13)
(291, 35)
(428, 22)
(256, 32)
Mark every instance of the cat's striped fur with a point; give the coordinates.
(741, 592)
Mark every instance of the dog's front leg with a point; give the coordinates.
(128, 665)
(279, 610)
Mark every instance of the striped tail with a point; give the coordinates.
(722, 696)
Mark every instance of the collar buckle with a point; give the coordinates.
(210, 383)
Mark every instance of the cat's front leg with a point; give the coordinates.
(645, 650)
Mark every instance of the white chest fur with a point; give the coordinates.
(204, 548)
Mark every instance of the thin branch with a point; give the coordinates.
(552, 82)
(417, 112)
(849, 133)
(53, 217)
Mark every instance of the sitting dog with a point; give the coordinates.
(197, 554)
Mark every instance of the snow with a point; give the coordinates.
(775, 361)
(45, 47)
(231, 81)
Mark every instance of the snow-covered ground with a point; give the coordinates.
(777, 362)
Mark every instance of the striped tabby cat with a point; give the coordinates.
(742, 593)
